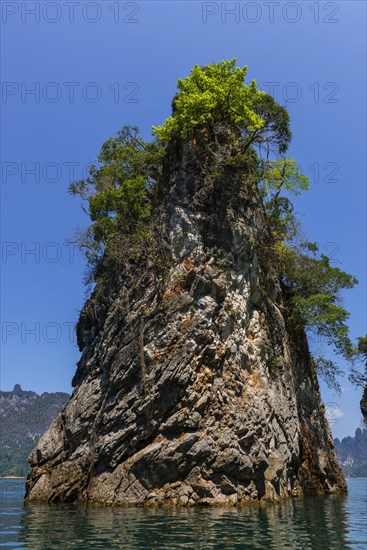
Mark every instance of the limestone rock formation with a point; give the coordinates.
(204, 396)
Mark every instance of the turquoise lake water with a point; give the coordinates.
(320, 523)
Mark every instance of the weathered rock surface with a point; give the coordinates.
(203, 397)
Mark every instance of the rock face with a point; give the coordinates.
(203, 396)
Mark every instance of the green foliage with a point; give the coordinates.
(13, 461)
(312, 288)
(359, 352)
(282, 175)
(217, 94)
(275, 362)
(362, 347)
(121, 195)
(319, 312)
(277, 176)
(282, 223)
(211, 93)
(312, 292)
(179, 277)
(329, 371)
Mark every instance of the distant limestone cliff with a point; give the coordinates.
(204, 393)
(352, 453)
(25, 416)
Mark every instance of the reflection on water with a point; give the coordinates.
(332, 522)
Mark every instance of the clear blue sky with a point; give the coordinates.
(95, 66)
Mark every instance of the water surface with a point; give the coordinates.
(322, 523)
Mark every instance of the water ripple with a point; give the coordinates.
(322, 523)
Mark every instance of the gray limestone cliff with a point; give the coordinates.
(205, 395)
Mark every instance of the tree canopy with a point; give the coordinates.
(120, 194)
(217, 93)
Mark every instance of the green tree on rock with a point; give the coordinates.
(215, 95)
(121, 199)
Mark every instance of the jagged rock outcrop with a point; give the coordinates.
(204, 396)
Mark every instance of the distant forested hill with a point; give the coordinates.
(24, 417)
(352, 454)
